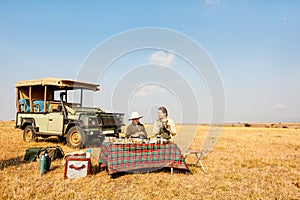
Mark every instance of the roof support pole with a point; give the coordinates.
(45, 99)
(30, 99)
(17, 100)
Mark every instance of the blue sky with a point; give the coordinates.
(254, 44)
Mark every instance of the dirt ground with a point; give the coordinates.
(247, 163)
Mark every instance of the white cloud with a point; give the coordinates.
(285, 18)
(149, 90)
(212, 2)
(279, 106)
(162, 57)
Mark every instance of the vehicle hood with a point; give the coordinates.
(74, 110)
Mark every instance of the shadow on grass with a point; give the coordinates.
(144, 171)
(52, 168)
(11, 162)
(96, 169)
(54, 139)
(19, 160)
(95, 143)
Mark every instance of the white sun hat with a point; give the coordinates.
(135, 115)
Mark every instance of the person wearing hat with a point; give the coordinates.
(136, 129)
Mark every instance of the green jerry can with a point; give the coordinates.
(45, 163)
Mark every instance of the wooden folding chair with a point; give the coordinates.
(198, 155)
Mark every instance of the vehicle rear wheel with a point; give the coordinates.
(29, 134)
(75, 137)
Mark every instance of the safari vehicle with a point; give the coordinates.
(43, 109)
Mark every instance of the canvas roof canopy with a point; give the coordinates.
(43, 90)
(60, 84)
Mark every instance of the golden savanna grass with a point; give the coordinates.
(247, 163)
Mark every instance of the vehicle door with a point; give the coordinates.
(55, 122)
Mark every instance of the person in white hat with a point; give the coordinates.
(136, 129)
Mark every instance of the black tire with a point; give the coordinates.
(29, 134)
(75, 137)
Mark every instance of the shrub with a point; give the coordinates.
(247, 125)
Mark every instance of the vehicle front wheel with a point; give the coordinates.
(75, 137)
(29, 134)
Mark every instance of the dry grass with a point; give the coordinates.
(247, 163)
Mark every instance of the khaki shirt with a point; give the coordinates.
(158, 124)
(136, 130)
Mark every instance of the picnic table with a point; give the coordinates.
(136, 158)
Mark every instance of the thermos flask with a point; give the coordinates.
(45, 163)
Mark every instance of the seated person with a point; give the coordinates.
(164, 126)
(136, 129)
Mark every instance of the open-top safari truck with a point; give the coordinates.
(43, 109)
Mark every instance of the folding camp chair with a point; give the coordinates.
(38, 106)
(198, 155)
(24, 105)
